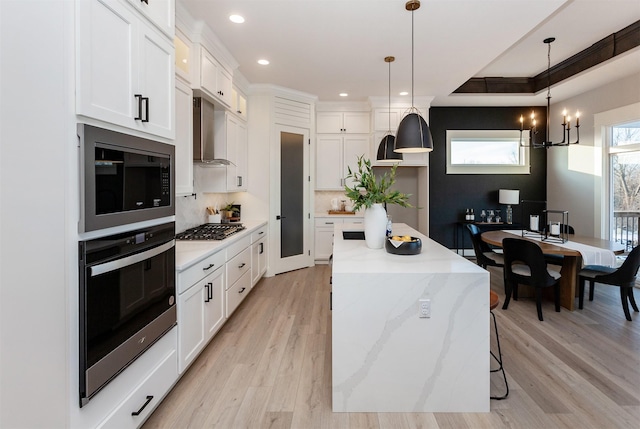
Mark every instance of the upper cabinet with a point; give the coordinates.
(125, 68)
(343, 122)
(215, 80)
(159, 12)
(239, 103)
(183, 58)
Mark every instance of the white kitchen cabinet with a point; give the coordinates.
(159, 12)
(239, 103)
(184, 139)
(183, 57)
(140, 403)
(201, 310)
(238, 270)
(334, 155)
(125, 69)
(215, 80)
(385, 119)
(343, 122)
(324, 234)
(258, 254)
(146, 381)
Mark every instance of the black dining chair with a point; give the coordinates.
(524, 264)
(485, 256)
(623, 277)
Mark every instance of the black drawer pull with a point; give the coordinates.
(242, 290)
(137, 413)
(209, 267)
(241, 265)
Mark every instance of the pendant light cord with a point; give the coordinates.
(412, 105)
(389, 111)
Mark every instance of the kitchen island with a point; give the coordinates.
(385, 357)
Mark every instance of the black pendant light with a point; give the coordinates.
(386, 153)
(413, 133)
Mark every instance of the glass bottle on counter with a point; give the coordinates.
(389, 226)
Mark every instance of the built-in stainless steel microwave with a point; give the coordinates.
(124, 179)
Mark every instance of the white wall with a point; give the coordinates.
(574, 178)
(37, 175)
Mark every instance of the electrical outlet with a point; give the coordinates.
(424, 307)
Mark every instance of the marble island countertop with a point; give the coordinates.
(385, 356)
(434, 258)
(190, 252)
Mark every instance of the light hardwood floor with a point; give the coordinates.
(270, 367)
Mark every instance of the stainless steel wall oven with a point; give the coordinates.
(127, 300)
(124, 179)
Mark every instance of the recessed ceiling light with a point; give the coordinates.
(236, 18)
(344, 94)
(263, 62)
(184, 60)
(404, 93)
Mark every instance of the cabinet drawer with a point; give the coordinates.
(238, 246)
(146, 397)
(259, 233)
(237, 292)
(238, 265)
(327, 222)
(192, 275)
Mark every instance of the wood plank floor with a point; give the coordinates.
(270, 367)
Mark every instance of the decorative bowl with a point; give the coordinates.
(398, 247)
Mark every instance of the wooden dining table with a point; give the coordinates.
(571, 261)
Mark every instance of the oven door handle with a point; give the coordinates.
(130, 260)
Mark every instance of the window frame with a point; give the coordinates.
(523, 168)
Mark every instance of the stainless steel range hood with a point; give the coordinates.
(203, 141)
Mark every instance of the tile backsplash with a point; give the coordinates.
(191, 210)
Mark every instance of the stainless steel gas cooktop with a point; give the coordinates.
(210, 231)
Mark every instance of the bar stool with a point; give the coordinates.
(494, 301)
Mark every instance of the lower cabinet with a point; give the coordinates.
(131, 397)
(324, 235)
(136, 407)
(258, 254)
(201, 312)
(238, 276)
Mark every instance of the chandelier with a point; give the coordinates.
(566, 120)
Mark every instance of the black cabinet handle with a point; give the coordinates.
(278, 217)
(209, 267)
(137, 413)
(209, 294)
(146, 100)
(261, 248)
(144, 1)
(241, 265)
(139, 97)
(242, 290)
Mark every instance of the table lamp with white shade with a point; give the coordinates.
(509, 197)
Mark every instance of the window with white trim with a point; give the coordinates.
(486, 152)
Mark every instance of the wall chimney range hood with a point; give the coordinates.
(203, 142)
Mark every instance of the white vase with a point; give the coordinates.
(375, 226)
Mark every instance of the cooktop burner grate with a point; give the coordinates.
(210, 231)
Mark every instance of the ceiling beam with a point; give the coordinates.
(605, 49)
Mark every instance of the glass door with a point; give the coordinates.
(293, 218)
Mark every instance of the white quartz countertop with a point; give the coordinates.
(355, 256)
(189, 252)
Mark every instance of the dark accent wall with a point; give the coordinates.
(450, 195)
